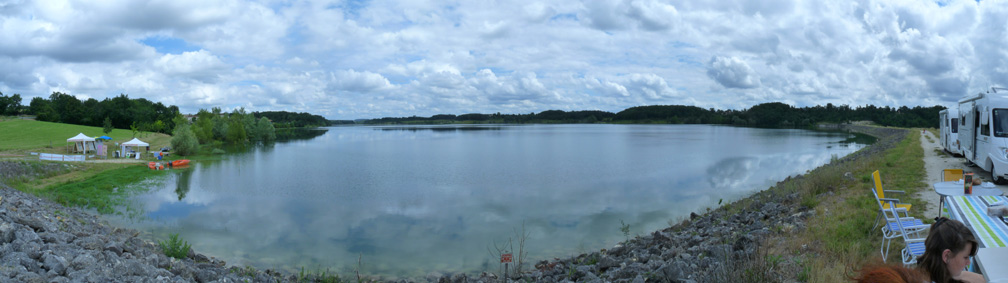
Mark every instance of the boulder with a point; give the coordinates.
(54, 263)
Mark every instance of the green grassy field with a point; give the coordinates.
(89, 184)
(21, 136)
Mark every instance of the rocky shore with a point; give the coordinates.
(41, 241)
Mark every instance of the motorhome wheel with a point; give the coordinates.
(997, 176)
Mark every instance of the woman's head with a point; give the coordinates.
(947, 249)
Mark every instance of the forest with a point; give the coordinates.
(284, 119)
(122, 112)
(766, 115)
(144, 115)
(126, 113)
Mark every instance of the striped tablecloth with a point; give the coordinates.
(972, 211)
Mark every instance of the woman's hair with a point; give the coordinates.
(880, 273)
(946, 234)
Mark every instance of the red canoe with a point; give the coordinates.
(180, 162)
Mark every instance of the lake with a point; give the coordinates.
(409, 200)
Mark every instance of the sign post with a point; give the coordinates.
(505, 259)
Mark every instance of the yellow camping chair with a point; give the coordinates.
(951, 175)
(886, 201)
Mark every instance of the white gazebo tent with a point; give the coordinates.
(80, 143)
(134, 143)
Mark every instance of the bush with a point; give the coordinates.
(184, 141)
(175, 247)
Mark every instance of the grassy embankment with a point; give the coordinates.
(838, 237)
(94, 184)
(845, 240)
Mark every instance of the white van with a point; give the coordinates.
(948, 132)
(983, 131)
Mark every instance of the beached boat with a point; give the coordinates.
(155, 166)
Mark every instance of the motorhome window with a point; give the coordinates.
(1000, 122)
(955, 125)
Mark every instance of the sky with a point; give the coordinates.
(364, 59)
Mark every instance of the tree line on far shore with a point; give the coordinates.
(144, 115)
(766, 115)
(211, 128)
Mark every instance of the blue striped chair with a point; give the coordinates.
(913, 238)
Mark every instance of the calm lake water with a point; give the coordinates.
(411, 200)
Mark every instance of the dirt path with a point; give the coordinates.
(936, 159)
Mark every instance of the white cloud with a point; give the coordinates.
(732, 72)
(653, 15)
(643, 87)
(197, 65)
(400, 58)
(354, 81)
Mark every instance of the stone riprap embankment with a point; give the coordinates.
(42, 241)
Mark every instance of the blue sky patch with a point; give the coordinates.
(351, 8)
(248, 83)
(566, 16)
(169, 45)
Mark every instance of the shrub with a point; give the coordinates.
(184, 141)
(175, 247)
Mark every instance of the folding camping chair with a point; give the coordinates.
(951, 175)
(913, 238)
(883, 200)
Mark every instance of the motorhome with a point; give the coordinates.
(948, 131)
(983, 131)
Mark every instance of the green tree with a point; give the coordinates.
(236, 132)
(10, 105)
(183, 140)
(204, 125)
(43, 110)
(220, 128)
(134, 128)
(70, 109)
(107, 125)
(158, 126)
(266, 130)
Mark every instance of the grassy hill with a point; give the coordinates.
(21, 136)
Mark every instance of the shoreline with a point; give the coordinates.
(708, 246)
(717, 246)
